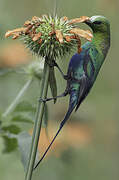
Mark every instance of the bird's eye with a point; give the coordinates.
(97, 22)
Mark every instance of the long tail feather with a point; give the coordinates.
(71, 107)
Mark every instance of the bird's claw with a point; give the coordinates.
(42, 100)
(52, 64)
(65, 77)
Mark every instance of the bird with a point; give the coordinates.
(83, 68)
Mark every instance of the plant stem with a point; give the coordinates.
(55, 8)
(38, 122)
(16, 100)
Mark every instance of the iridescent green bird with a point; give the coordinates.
(84, 67)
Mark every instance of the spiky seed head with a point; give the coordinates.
(52, 37)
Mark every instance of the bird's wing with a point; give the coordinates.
(83, 90)
(82, 70)
(86, 80)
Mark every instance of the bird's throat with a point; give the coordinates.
(102, 42)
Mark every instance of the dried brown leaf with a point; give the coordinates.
(79, 20)
(79, 50)
(89, 32)
(27, 23)
(15, 31)
(8, 34)
(35, 18)
(40, 41)
(73, 37)
(79, 45)
(64, 18)
(37, 36)
(59, 36)
(38, 23)
(15, 36)
(22, 29)
(51, 33)
(68, 38)
(28, 29)
(82, 33)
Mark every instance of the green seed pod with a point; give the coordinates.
(47, 37)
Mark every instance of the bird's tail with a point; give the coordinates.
(72, 104)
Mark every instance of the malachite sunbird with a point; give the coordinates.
(84, 67)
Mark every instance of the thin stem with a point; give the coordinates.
(55, 7)
(16, 100)
(38, 122)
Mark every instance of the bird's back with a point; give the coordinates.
(81, 73)
(77, 63)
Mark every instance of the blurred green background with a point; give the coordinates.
(95, 153)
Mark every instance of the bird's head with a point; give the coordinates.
(98, 24)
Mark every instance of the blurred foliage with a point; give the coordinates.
(87, 150)
(13, 135)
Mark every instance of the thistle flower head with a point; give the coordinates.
(52, 37)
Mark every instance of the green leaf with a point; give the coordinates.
(23, 118)
(53, 84)
(10, 144)
(13, 129)
(45, 117)
(24, 112)
(24, 106)
(24, 142)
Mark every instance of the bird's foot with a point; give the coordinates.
(54, 64)
(42, 100)
(45, 100)
(65, 77)
(51, 64)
